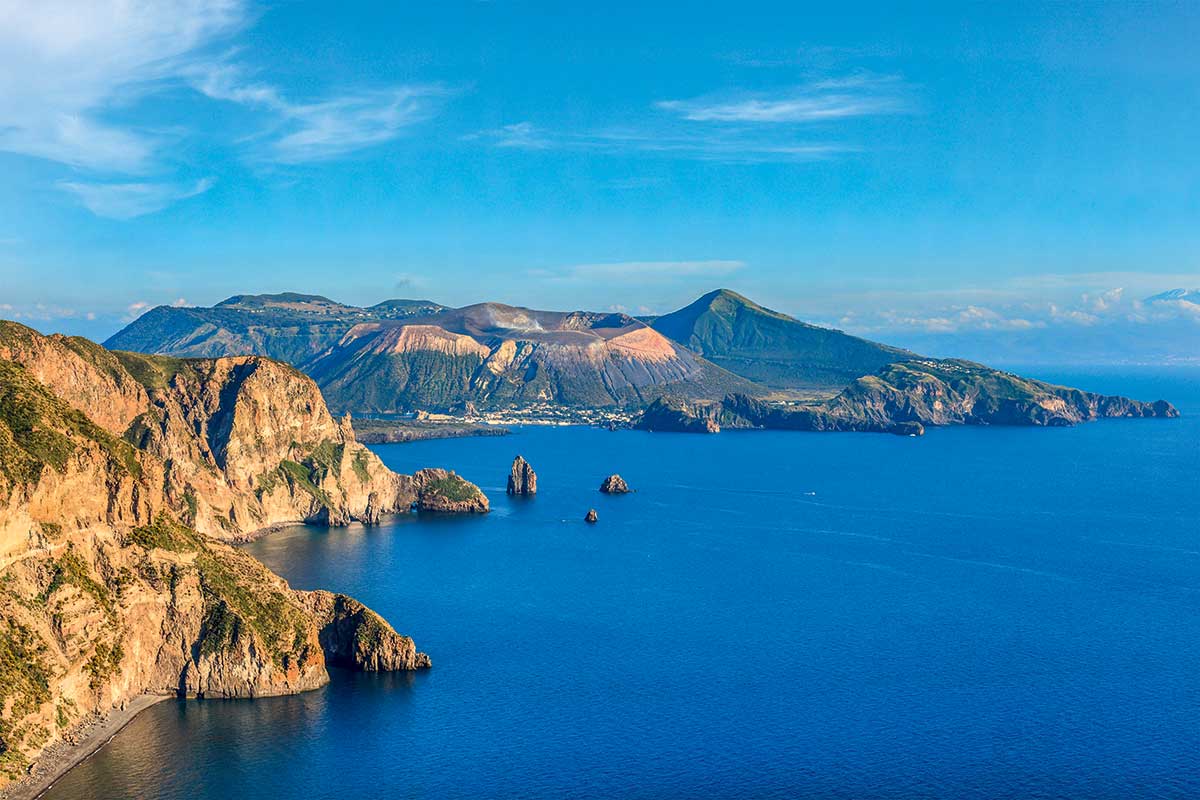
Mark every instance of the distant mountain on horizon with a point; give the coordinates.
(401, 355)
(773, 348)
(1185, 295)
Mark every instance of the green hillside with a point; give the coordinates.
(773, 348)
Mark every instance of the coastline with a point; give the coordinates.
(61, 758)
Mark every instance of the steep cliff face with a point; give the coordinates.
(106, 593)
(238, 444)
(249, 444)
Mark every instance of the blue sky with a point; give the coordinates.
(898, 171)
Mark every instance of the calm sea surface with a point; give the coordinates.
(991, 613)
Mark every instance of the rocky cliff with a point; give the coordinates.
(119, 477)
(239, 444)
(902, 398)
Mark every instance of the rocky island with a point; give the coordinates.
(122, 478)
(614, 484)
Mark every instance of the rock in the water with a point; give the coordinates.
(522, 479)
(590, 516)
(439, 490)
(615, 484)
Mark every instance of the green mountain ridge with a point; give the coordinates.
(772, 348)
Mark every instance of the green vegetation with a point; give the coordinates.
(301, 476)
(24, 687)
(104, 663)
(152, 372)
(773, 348)
(452, 487)
(325, 458)
(166, 534)
(38, 430)
(234, 597)
(359, 465)
(71, 570)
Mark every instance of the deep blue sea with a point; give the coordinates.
(979, 613)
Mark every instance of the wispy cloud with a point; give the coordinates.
(69, 69)
(818, 101)
(334, 126)
(729, 127)
(65, 65)
(129, 200)
(719, 146)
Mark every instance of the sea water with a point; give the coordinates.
(981, 612)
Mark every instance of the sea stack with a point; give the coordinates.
(590, 517)
(522, 479)
(615, 484)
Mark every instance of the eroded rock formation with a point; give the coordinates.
(614, 484)
(521, 478)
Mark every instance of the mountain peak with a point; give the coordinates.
(1185, 295)
(770, 347)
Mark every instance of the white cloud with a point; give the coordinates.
(136, 309)
(70, 69)
(65, 64)
(128, 200)
(717, 146)
(327, 128)
(829, 99)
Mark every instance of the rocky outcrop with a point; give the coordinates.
(443, 491)
(614, 484)
(905, 397)
(354, 636)
(591, 517)
(521, 478)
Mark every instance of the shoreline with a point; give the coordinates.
(61, 758)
